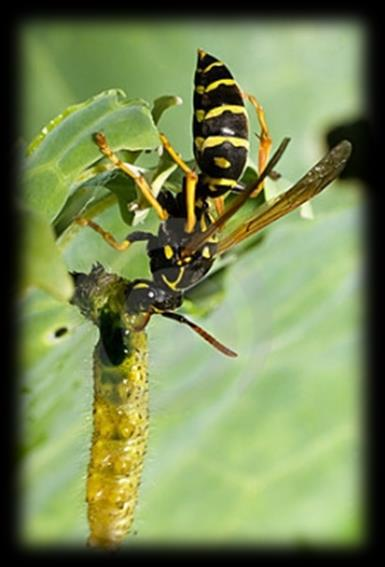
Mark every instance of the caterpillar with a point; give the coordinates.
(120, 408)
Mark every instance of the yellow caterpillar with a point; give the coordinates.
(119, 442)
(120, 412)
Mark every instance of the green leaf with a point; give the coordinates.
(85, 196)
(66, 148)
(270, 432)
(88, 196)
(162, 103)
(43, 265)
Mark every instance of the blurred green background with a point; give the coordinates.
(263, 449)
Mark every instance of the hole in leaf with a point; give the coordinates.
(60, 332)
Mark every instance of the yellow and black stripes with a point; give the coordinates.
(220, 126)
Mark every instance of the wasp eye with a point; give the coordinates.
(140, 296)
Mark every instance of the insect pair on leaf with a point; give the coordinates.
(188, 241)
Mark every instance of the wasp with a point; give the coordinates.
(189, 238)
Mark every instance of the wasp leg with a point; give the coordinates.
(140, 181)
(110, 239)
(191, 182)
(265, 141)
(219, 204)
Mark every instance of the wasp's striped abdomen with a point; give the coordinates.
(119, 436)
(220, 126)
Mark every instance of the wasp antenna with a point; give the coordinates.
(204, 334)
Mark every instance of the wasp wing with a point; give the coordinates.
(312, 183)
